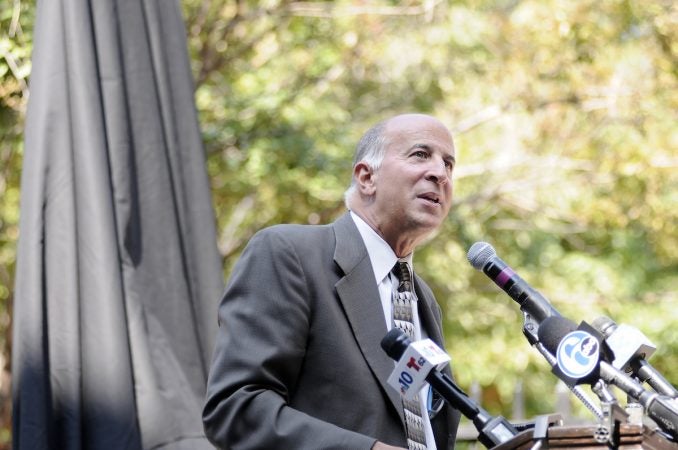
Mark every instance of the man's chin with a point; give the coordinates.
(431, 220)
(428, 225)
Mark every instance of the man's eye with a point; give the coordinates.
(420, 154)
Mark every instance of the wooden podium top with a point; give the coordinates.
(630, 437)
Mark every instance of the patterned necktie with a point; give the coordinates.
(403, 299)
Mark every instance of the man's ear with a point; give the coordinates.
(365, 178)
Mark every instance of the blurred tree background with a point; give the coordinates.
(565, 116)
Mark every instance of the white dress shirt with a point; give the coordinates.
(383, 259)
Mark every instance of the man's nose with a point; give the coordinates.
(438, 171)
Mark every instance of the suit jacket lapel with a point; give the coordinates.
(359, 295)
(429, 322)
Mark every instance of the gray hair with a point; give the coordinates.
(371, 150)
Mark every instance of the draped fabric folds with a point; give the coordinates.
(118, 275)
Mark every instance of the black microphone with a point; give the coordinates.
(631, 349)
(483, 257)
(578, 358)
(535, 307)
(492, 430)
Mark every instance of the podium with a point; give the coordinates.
(624, 437)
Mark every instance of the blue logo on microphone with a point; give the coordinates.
(577, 354)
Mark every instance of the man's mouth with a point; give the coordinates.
(431, 197)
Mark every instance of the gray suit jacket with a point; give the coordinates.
(298, 362)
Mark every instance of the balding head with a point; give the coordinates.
(402, 179)
(372, 145)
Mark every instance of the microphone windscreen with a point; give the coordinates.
(395, 343)
(479, 254)
(552, 330)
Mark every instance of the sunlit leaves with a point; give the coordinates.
(565, 129)
(566, 137)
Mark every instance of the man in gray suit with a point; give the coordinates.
(297, 362)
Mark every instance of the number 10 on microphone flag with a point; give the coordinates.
(417, 361)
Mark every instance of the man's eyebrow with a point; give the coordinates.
(422, 146)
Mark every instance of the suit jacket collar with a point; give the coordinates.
(351, 255)
(359, 295)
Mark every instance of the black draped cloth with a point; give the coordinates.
(118, 276)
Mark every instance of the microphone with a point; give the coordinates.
(483, 257)
(535, 307)
(631, 350)
(577, 352)
(420, 361)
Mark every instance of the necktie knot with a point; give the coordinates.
(402, 271)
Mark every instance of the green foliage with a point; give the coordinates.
(564, 115)
(16, 19)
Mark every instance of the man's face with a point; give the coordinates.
(413, 186)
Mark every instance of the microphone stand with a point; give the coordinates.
(492, 431)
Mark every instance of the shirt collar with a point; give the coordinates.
(381, 254)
